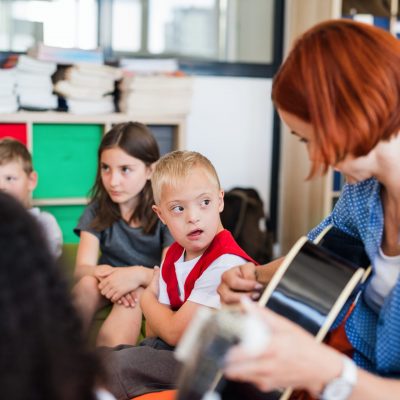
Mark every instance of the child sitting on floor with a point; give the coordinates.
(18, 179)
(120, 224)
(189, 201)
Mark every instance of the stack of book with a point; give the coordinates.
(34, 84)
(149, 66)
(155, 94)
(88, 89)
(66, 56)
(8, 96)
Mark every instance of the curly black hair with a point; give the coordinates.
(42, 352)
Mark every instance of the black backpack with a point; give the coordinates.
(244, 217)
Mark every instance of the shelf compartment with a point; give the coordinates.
(65, 157)
(16, 131)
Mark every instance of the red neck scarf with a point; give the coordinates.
(223, 243)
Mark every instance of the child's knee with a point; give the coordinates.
(86, 286)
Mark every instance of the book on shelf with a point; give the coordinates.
(7, 88)
(91, 107)
(8, 81)
(166, 94)
(36, 100)
(100, 71)
(156, 83)
(87, 89)
(34, 86)
(149, 65)
(34, 80)
(161, 103)
(32, 65)
(66, 56)
(71, 91)
(8, 103)
(75, 77)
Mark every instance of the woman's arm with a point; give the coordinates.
(294, 359)
(372, 387)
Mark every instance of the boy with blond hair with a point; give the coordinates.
(189, 201)
(18, 179)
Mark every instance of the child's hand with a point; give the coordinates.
(118, 284)
(154, 286)
(102, 271)
(129, 300)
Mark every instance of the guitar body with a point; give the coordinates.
(310, 288)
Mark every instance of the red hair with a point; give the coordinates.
(343, 77)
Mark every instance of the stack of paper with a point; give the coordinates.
(147, 66)
(87, 107)
(88, 89)
(8, 97)
(66, 56)
(34, 84)
(155, 94)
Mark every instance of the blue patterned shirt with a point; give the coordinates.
(374, 337)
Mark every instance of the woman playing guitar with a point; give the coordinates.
(339, 92)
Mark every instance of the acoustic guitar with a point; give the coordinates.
(312, 285)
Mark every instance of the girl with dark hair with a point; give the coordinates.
(42, 354)
(120, 224)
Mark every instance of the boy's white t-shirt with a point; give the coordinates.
(51, 230)
(205, 289)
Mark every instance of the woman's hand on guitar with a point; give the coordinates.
(246, 279)
(238, 281)
(292, 359)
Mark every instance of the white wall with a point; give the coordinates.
(231, 124)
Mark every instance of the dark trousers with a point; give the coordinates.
(136, 370)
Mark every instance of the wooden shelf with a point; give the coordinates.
(64, 150)
(29, 117)
(64, 201)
